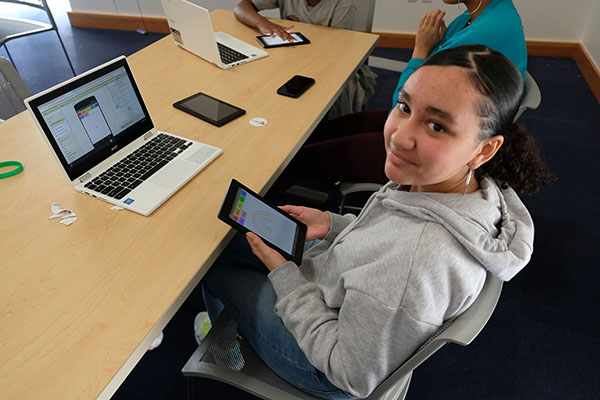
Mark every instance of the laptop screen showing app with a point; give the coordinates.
(90, 117)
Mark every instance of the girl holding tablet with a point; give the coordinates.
(375, 287)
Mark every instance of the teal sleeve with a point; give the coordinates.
(413, 64)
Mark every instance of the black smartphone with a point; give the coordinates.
(247, 211)
(297, 85)
(268, 41)
(209, 109)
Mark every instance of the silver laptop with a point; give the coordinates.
(192, 30)
(103, 137)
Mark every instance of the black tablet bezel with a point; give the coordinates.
(180, 105)
(269, 46)
(228, 204)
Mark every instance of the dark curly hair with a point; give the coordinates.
(517, 163)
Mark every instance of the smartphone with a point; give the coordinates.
(247, 211)
(268, 41)
(92, 118)
(209, 109)
(297, 85)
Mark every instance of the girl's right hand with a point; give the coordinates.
(318, 222)
(267, 27)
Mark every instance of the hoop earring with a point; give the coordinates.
(467, 10)
(470, 174)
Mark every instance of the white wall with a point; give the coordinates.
(554, 20)
(591, 35)
(149, 8)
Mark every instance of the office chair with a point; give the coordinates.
(12, 27)
(532, 97)
(12, 90)
(258, 379)
(363, 19)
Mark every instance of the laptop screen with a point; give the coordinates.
(88, 119)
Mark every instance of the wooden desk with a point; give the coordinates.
(79, 305)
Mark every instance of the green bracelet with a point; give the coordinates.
(11, 164)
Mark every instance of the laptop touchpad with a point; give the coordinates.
(171, 175)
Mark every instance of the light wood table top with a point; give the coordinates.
(80, 304)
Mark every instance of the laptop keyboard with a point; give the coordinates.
(130, 172)
(228, 55)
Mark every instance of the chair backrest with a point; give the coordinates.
(13, 90)
(532, 96)
(363, 19)
(462, 330)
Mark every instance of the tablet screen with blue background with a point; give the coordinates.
(260, 218)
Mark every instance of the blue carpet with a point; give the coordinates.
(541, 342)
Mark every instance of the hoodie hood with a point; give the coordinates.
(492, 224)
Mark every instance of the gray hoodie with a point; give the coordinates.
(380, 284)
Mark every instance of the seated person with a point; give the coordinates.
(332, 13)
(493, 23)
(334, 146)
(373, 288)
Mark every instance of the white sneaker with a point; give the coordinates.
(202, 325)
(156, 341)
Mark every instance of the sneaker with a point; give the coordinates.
(201, 326)
(156, 341)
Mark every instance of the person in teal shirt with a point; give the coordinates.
(493, 23)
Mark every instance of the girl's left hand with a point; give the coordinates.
(270, 257)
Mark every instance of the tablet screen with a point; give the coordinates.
(247, 211)
(261, 219)
(277, 40)
(212, 110)
(209, 107)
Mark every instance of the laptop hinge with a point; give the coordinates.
(148, 135)
(85, 177)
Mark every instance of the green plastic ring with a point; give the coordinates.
(12, 172)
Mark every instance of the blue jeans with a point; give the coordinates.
(238, 282)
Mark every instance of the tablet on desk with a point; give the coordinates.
(209, 109)
(247, 211)
(268, 41)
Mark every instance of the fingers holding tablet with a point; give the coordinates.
(247, 211)
(290, 39)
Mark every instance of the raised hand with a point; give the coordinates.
(430, 33)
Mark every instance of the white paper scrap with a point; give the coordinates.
(68, 221)
(66, 216)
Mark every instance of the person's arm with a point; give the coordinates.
(319, 225)
(343, 17)
(430, 33)
(247, 13)
(356, 345)
(389, 307)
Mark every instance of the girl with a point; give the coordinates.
(373, 288)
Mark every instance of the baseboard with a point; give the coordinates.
(118, 22)
(574, 50)
(588, 68)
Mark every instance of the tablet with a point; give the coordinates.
(247, 211)
(209, 109)
(268, 41)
